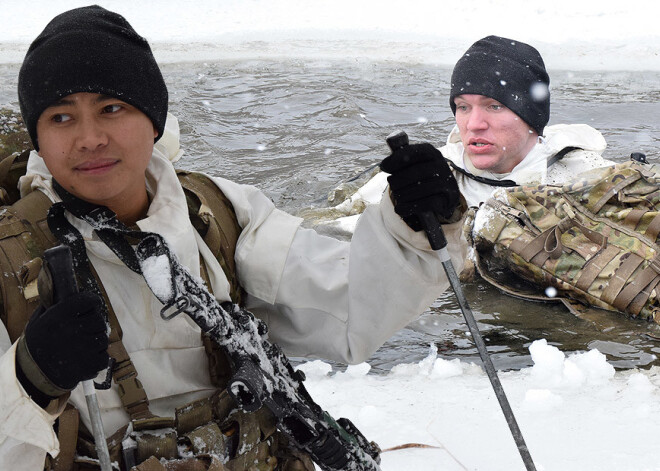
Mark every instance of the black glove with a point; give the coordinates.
(68, 342)
(421, 181)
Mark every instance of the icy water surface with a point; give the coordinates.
(298, 128)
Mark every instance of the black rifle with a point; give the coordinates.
(263, 376)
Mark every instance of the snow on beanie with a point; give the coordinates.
(94, 50)
(508, 71)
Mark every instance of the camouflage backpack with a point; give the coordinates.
(594, 241)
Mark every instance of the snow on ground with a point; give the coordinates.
(589, 34)
(575, 413)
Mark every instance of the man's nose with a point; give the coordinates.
(477, 119)
(91, 134)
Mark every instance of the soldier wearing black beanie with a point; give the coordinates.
(90, 49)
(508, 71)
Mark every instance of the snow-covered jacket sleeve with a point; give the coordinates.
(322, 297)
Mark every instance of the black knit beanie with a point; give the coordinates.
(94, 50)
(508, 71)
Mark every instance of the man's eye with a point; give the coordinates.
(60, 118)
(111, 108)
(496, 107)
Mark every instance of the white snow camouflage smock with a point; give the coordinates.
(320, 297)
(531, 170)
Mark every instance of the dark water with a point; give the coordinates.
(298, 128)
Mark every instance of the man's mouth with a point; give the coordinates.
(478, 142)
(96, 166)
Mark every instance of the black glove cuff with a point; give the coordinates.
(34, 381)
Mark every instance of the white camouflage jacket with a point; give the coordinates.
(532, 170)
(320, 297)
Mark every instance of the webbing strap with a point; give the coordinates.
(547, 241)
(595, 237)
(67, 435)
(132, 394)
(560, 155)
(653, 229)
(133, 397)
(620, 277)
(595, 266)
(484, 180)
(638, 302)
(540, 258)
(633, 217)
(641, 281)
(5, 167)
(614, 190)
(161, 444)
(652, 198)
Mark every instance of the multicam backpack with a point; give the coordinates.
(594, 241)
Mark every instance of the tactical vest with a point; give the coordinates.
(595, 240)
(204, 430)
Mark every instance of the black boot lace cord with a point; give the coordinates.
(262, 374)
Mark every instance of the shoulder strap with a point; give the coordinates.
(214, 217)
(24, 236)
(484, 180)
(507, 183)
(560, 155)
(12, 168)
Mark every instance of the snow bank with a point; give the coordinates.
(575, 412)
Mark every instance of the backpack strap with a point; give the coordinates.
(213, 215)
(507, 183)
(484, 180)
(560, 155)
(67, 434)
(12, 168)
(24, 236)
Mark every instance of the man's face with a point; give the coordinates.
(98, 148)
(494, 137)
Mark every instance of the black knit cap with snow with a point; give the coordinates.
(90, 49)
(508, 71)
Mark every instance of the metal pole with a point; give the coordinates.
(438, 243)
(97, 425)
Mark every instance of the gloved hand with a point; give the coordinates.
(420, 181)
(68, 343)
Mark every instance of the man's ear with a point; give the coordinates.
(155, 132)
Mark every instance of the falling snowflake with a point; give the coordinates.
(539, 91)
